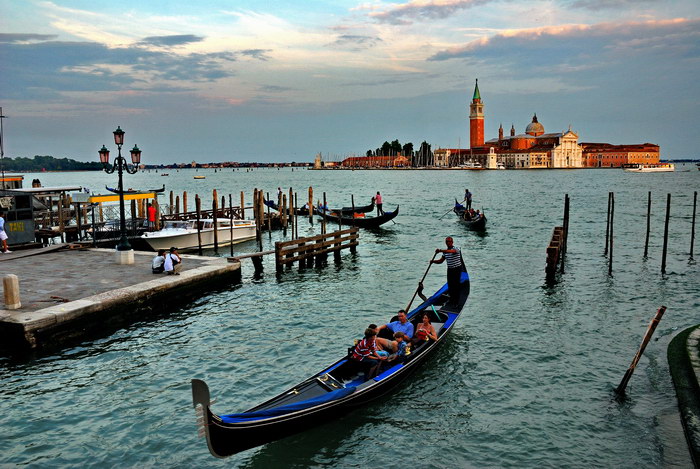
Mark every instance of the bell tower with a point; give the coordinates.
(476, 119)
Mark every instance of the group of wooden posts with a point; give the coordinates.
(610, 226)
(306, 251)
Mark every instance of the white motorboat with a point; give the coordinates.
(649, 168)
(183, 233)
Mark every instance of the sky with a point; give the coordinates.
(241, 80)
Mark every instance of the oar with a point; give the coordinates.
(450, 210)
(408, 308)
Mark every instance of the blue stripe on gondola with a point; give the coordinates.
(333, 367)
(388, 372)
(287, 409)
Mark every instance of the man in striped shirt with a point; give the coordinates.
(454, 269)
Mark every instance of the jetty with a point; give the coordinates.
(71, 293)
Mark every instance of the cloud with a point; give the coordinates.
(274, 88)
(26, 37)
(171, 41)
(259, 54)
(422, 10)
(355, 42)
(596, 5)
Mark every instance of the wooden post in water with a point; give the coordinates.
(325, 208)
(612, 225)
(352, 201)
(296, 217)
(284, 213)
(646, 241)
(692, 225)
(668, 215)
(230, 215)
(170, 208)
(565, 232)
(269, 218)
(177, 207)
(647, 336)
(242, 206)
(311, 205)
(184, 201)
(157, 207)
(198, 208)
(290, 213)
(215, 209)
(607, 226)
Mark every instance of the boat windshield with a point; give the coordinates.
(177, 225)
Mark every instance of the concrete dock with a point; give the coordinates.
(74, 293)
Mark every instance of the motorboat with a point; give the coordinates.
(649, 168)
(183, 233)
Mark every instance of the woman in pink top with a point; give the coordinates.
(378, 201)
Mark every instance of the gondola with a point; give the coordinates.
(349, 210)
(301, 211)
(476, 224)
(326, 395)
(359, 221)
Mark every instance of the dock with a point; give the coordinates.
(70, 294)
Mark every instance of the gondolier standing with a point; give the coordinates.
(454, 268)
(378, 201)
(467, 199)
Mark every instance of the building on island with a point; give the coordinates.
(606, 155)
(394, 161)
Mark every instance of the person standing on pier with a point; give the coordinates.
(378, 201)
(454, 268)
(151, 211)
(467, 199)
(3, 234)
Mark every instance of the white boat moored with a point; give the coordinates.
(183, 233)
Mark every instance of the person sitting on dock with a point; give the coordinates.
(157, 265)
(401, 325)
(365, 357)
(173, 262)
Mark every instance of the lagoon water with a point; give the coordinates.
(525, 380)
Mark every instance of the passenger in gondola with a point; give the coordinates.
(401, 324)
(365, 357)
(424, 331)
(398, 355)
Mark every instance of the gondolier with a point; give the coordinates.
(454, 268)
(467, 199)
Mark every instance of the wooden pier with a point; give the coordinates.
(315, 249)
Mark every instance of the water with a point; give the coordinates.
(525, 379)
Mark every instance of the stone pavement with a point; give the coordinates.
(66, 292)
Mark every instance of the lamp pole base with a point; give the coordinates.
(125, 257)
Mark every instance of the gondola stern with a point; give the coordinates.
(201, 401)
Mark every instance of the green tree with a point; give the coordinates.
(395, 147)
(408, 150)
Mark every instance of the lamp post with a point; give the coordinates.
(120, 165)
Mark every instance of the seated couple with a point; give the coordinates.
(423, 331)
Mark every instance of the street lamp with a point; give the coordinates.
(121, 165)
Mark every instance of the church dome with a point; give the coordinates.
(534, 127)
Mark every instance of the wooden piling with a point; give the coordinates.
(242, 205)
(692, 225)
(177, 207)
(565, 232)
(133, 217)
(157, 207)
(607, 225)
(184, 201)
(612, 230)
(647, 336)
(230, 215)
(170, 208)
(668, 215)
(311, 205)
(325, 208)
(198, 208)
(290, 213)
(269, 218)
(646, 240)
(283, 213)
(215, 209)
(296, 217)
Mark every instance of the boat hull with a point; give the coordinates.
(369, 222)
(661, 168)
(189, 240)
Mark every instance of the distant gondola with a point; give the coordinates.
(301, 211)
(326, 395)
(116, 191)
(359, 221)
(475, 224)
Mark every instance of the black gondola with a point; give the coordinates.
(325, 395)
(361, 221)
(477, 223)
(301, 211)
(131, 191)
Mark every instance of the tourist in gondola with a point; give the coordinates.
(454, 268)
(365, 354)
(425, 330)
(401, 324)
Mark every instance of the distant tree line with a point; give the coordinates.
(48, 163)
(422, 157)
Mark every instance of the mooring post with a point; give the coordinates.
(668, 215)
(325, 208)
(242, 206)
(692, 224)
(230, 220)
(311, 205)
(10, 283)
(215, 209)
(157, 207)
(255, 214)
(170, 207)
(612, 230)
(647, 336)
(184, 201)
(565, 232)
(198, 207)
(283, 213)
(177, 207)
(646, 241)
(607, 226)
(269, 219)
(296, 218)
(290, 212)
